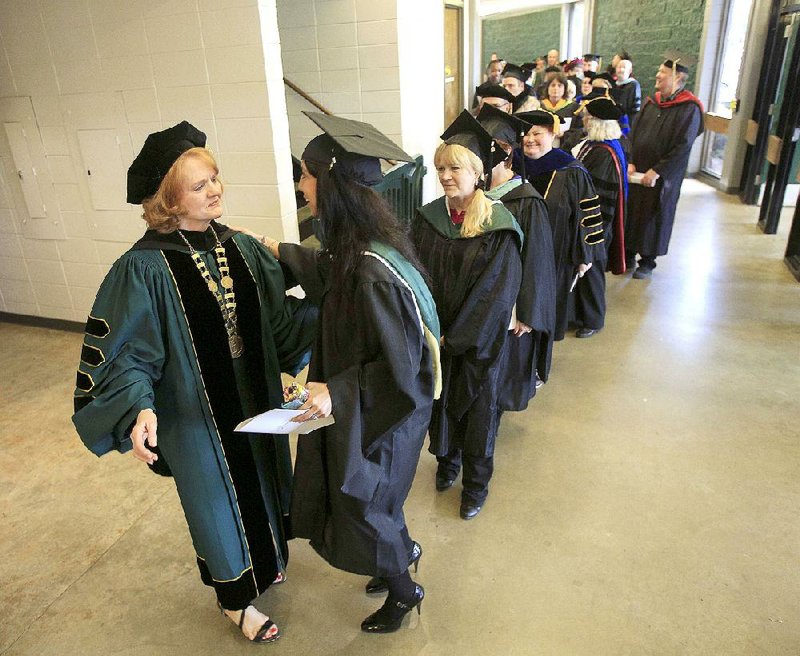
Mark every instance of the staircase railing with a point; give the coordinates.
(401, 185)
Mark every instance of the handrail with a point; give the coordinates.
(306, 97)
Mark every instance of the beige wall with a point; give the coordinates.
(378, 61)
(344, 54)
(78, 73)
(74, 71)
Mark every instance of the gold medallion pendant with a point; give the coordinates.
(236, 345)
(212, 286)
(227, 282)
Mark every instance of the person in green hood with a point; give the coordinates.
(187, 337)
(374, 367)
(471, 247)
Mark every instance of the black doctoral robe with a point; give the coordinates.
(574, 215)
(607, 167)
(661, 139)
(629, 97)
(475, 282)
(352, 478)
(156, 339)
(531, 353)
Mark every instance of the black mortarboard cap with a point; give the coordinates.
(553, 69)
(159, 153)
(589, 57)
(604, 76)
(602, 106)
(501, 125)
(354, 147)
(541, 117)
(589, 75)
(488, 90)
(466, 131)
(678, 61)
(512, 70)
(676, 65)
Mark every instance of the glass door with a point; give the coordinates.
(725, 89)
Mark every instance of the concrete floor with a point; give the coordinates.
(646, 503)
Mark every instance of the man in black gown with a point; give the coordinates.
(660, 144)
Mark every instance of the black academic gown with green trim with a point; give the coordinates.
(475, 282)
(352, 477)
(530, 354)
(156, 339)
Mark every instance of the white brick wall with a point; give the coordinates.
(133, 66)
(344, 54)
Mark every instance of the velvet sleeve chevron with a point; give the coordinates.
(121, 356)
(591, 219)
(598, 161)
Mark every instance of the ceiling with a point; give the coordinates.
(495, 7)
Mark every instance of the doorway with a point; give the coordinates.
(771, 163)
(725, 87)
(453, 58)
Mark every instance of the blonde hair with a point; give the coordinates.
(163, 211)
(598, 129)
(478, 214)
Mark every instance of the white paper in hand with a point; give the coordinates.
(280, 422)
(636, 178)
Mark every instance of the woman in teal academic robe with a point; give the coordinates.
(187, 337)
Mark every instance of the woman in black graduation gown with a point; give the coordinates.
(471, 249)
(529, 350)
(373, 367)
(572, 205)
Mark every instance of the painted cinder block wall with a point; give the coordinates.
(68, 69)
(344, 54)
(363, 60)
(646, 29)
(520, 39)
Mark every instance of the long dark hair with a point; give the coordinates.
(351, 215)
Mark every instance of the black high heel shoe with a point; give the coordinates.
(377, 584)
(389, 617)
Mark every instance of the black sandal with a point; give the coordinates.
(261, 635)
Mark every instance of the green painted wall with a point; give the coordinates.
(646, 29)
(522, 38)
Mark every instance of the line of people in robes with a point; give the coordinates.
(437, 328)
